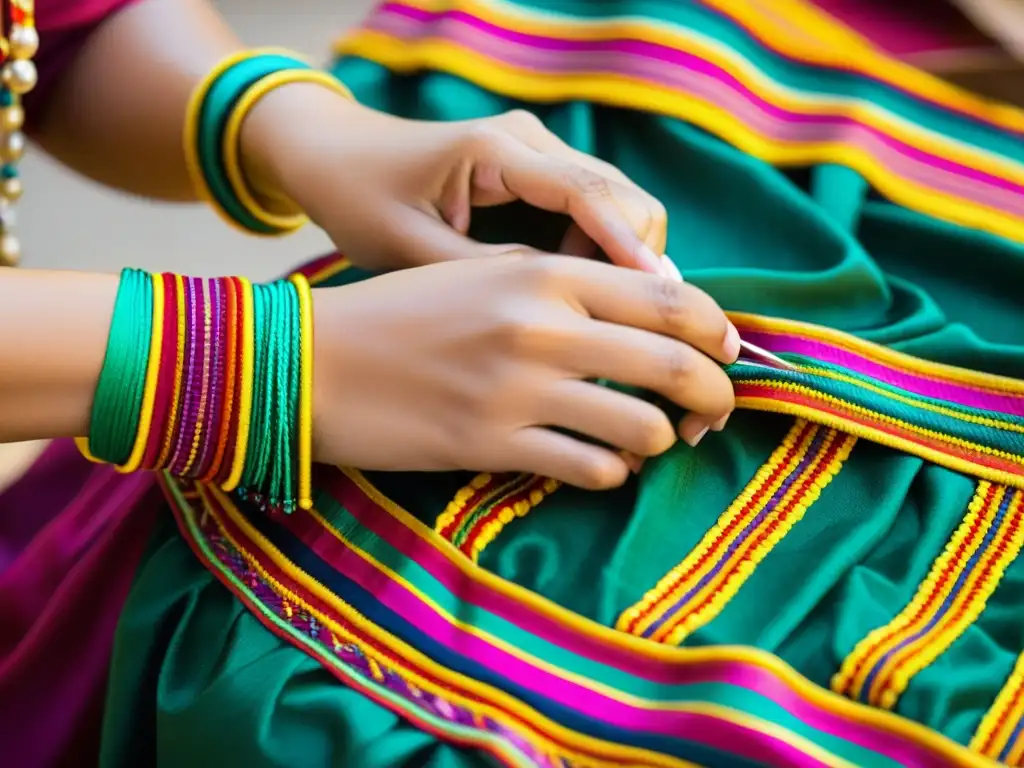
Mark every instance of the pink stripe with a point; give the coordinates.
(619, 55)
(921, 385)
(746, 675)
(682, 725)
(738, 101)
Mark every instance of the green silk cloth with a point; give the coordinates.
(196, 678)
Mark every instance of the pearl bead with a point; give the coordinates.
(8, 218)
(24, 42)
(11, 189)
(10, 250)
(12, 147)
(20, 76)
(12, 118)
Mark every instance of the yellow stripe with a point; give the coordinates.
(938, 372)
(502, 703)
(784, 674)
(889, 394)
(152, 379)
(540, 489)
(245, 395)
(332, 269)
(179, 365)
(999, 723)
(663, 593)
(305, 425)
(620, 91)
(735, 573)
(971, 599)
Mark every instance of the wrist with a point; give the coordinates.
(284, 137)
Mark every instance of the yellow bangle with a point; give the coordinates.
(152, 376)
(305, 452)
(232, 131)
(245, 394)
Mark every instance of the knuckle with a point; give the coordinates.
(524, 121)
(484, 140)
(595, 474)
(670, 302)
(587, 184)
(543, 273)
(653, 434)
(680, 365)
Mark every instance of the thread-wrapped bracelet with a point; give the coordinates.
(211, 379)
(217, 110)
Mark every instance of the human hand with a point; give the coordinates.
(396, 193)
(475, 364)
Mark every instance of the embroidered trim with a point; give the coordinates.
(739, 703)
(949, 600)
(966, 421)
(672, 67)
(480, 510)
(999, 734)
(695, 591)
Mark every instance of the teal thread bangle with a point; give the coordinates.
(269, 476)
(213, 114)
(117, 403)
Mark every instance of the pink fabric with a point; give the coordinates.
(64, 27)
(907, 27)
(71, 535)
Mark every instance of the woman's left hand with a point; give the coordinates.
(396, 193)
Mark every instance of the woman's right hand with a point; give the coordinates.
(471, 364)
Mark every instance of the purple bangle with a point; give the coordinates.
(189, 348)
(194, 376)
(208, 446)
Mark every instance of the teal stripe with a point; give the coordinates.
(723, 694)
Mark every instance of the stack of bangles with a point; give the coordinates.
(213, 127)
(210, 379)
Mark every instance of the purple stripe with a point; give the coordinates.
(577, 697)
(812, 453)
(738, 101)
(677, 671)
(209, 441)
(186, 405)
(446, 25)
(909, 382)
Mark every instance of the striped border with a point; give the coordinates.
(999, 736)
(695, 591)
(481, 510)
(464, 711)
(518, 52)
(949, 600)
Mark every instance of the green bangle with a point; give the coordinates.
(117, 404)
(269, 477)
(219, 102)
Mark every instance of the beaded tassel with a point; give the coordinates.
(17, 77)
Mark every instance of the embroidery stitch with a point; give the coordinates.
(950, 599)
(480, 510)
(695, 592)
(999, 734)
(674, 70)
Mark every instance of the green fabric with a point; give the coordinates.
(211, 686)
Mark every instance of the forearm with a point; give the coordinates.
(55, 327)
(117, 113)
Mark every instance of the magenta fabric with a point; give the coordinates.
(71, 536)
(64, 27)
(907, 27)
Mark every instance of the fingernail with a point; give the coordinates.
(718, 426)
(651, 261)
(634, 462)
(731, 346)
(670, 270)
(694, 439)
(692, 429)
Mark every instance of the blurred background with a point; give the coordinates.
(100, 230)
(103, 231)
